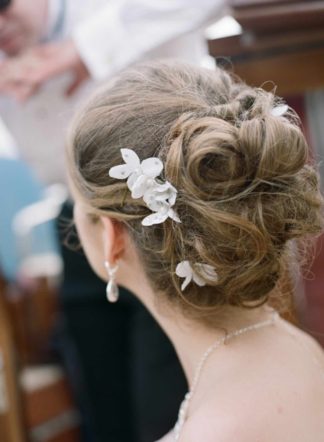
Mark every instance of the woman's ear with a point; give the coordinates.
(114, 239)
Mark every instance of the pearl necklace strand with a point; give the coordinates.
(183, 411)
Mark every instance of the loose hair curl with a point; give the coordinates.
(246, 185)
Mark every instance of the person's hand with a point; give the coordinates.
(23, 75)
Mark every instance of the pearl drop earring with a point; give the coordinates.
(112, 291)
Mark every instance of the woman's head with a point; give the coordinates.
(245, 186)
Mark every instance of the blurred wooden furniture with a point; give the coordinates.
(36, 404)
(50, 413)
(270, 15)
(32, 306)
(11, 409)
(281, 41)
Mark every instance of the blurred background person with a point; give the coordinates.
(53, 53)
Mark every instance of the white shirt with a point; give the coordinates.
(127, 30)
(110, 35)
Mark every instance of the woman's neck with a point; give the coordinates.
(191, 339)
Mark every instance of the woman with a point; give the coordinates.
(194, 190)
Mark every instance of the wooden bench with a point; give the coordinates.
(36, 403)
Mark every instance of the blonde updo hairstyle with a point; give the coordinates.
(246, 186)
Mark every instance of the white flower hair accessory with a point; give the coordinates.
(185, 270)
(279, 110)
(159, 197)
(141, 181)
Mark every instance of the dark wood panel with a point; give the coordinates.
(283, 15)
(49, 401)
(249, 3)
(253, 46)
(50, 406)
(284, 46)
(292, 73)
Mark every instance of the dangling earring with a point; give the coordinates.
(112, 291)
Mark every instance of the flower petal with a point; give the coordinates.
(120, 172)
(207, 272)
(154, 204)
(130, 157)
(163, 187)
(173, 195)
(139, 187)
(132, 179)
(183, 269)
(173, 215)
(279, 110)
(161, 197)
(185, 283)
(154, 218)
(152, 167)
(198, 279)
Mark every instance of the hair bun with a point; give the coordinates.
(205, 157)
(244, 185)
(274, 146)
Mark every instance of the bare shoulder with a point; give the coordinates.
(221, 428)
(273, 419)
(308, 342)
(168, 437)
(276, 395)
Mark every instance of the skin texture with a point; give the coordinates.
(29, 64)
(265, 386)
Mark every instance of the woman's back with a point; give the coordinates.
(267, 389)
